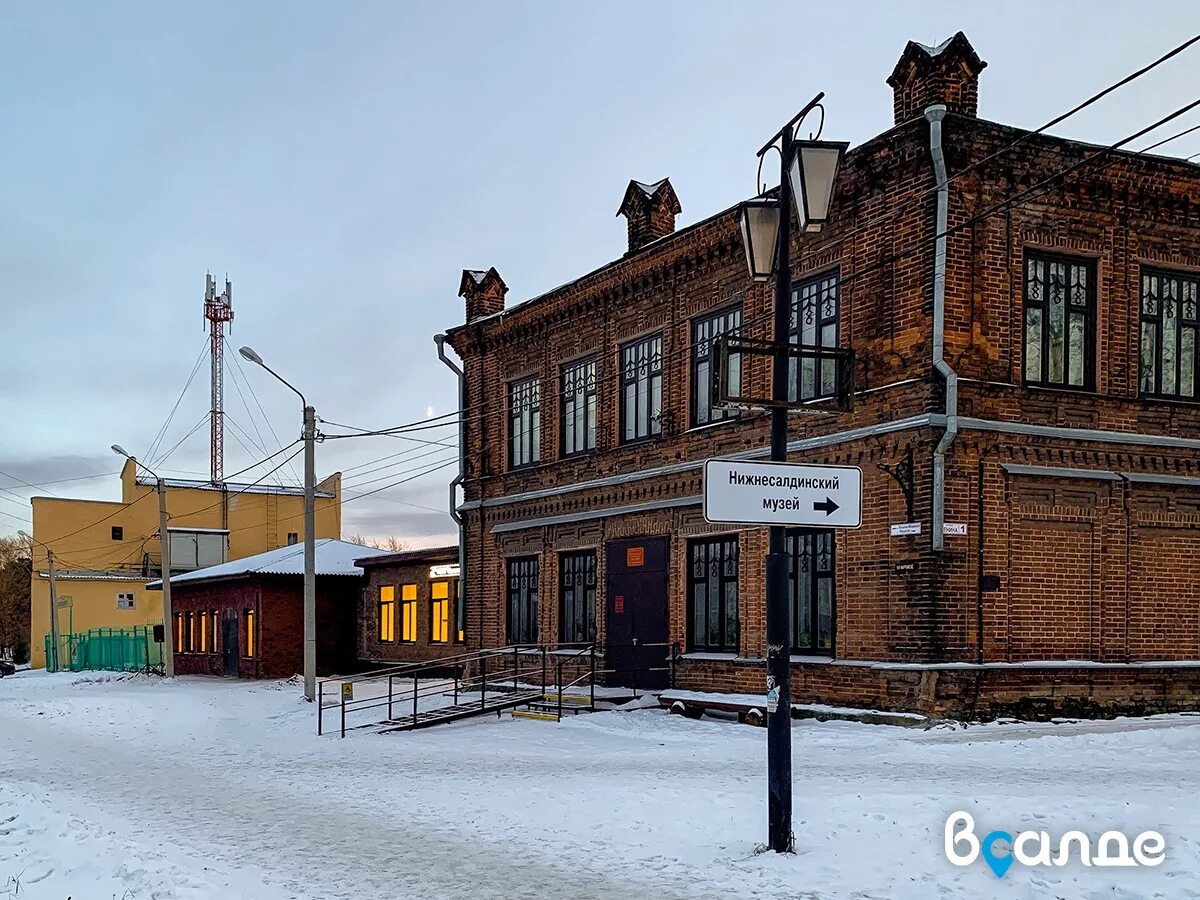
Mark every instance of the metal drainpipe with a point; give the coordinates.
(935, 114)
(460, 624)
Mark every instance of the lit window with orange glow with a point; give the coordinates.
(439, 617)
(387, 613)
(408, 613)
(250, 644)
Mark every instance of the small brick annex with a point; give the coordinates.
(381, 635)
(1070, 578)
(275, 604)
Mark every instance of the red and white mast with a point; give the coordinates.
(218, 310)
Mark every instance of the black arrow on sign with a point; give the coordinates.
(828, 506)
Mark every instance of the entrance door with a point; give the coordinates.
(229, 645)
(636, 605)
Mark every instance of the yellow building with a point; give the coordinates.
(105, 552)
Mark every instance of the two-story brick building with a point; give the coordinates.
(1028, 400)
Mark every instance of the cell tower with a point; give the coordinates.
(218, 310)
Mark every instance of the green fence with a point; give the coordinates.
(106, 650)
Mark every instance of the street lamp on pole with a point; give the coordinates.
(806, 176)
(310, 564)
(164, 542)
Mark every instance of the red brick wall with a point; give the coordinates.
(1086, 569)
(278, 603)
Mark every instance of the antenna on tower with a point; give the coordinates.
(218, 310)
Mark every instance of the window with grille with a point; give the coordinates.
(813, 322)
(713, 593)
(641, 389)
(1168, 365)
(1060, 321)
(811, 589)
(577, 597)
(439, 612)
(704, 331)
(408, 613)
(124, 601)
(523, 600)
(524, 423)
(387, 613)
(579, 407)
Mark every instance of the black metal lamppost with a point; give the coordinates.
(808, 170)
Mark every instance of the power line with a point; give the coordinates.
(365, 432)
(894, 211)
(358, 484)
(402, 456)
(36, 487)
(1017, 199)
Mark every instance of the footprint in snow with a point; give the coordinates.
(35, 879)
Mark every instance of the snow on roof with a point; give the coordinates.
(94, 575)
(650, 189)
(477, 274)
(232, 487)
(935, 51)
(333, 557)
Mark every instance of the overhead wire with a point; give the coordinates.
(237, 361)
(162, 431)
(1017, 199)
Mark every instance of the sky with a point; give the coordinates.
(342, 163)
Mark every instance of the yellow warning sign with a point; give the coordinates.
(347, 690)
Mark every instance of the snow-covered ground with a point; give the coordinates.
(131, 788)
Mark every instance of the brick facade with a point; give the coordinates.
(1081, 506)
(277, 602)
(395, 570)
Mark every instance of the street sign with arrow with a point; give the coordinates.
(767, 493)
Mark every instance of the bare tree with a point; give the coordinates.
(391, 542)
(16, 570)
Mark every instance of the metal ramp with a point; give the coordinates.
(442, 714)
(543, 681)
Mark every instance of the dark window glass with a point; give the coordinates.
(523, 600)
(524, 423)
(811, 587)
(579, 407)
(814, 323)
(1060, 321)
(118, 533)
(1168, 360)
(713, 593)
(577, 597)
(703, 332)
(641, 389)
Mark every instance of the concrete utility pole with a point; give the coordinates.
(310, 543)
(310, 553)
(164, 543)
(54, 638)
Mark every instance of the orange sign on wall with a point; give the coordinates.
(635, 556)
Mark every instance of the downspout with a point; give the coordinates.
(460, 624)
(935, 114)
